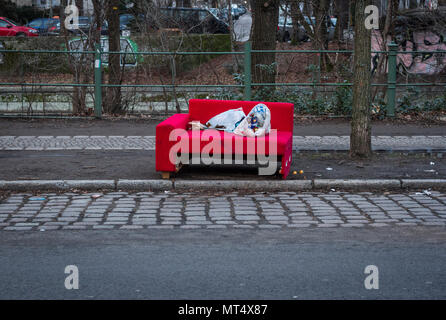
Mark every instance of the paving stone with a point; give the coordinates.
(101, 226)
(160, 227)
(115, 222)
(433, 223)
(226, 222)
(48, 228)
(72, 227)
(242, 226)
(269, 226)
(213, 226)
(283, 209)
(247, 217)
(131, 227)
(14, 228)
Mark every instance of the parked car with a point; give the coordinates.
(84, 27)
(9, 28)
(215, 12)
(284, 32)
(330, 27)
(223, 14)
(129, 23)
(42, 24)
(190, 20)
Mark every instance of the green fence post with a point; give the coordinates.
(247, 70)
(391, 79)
(98, 81)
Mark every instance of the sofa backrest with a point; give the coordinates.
(204, 109)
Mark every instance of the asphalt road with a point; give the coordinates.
(300, 264)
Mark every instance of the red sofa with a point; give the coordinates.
(202, 110)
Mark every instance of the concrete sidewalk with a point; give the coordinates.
(146, 127)
(300, 143)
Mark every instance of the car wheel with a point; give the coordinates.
(20, 35)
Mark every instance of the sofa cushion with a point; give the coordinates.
(234, 144)
(281, 113)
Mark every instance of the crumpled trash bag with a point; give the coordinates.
(227, 121)
(257, 123)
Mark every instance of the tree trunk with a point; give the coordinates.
(187, 4)
(342, 9)
(320, 42)
(265, 20)
(231, 37)
(295, 19)
(98, 19)
(413, 4)
(360, 137)
(113, 99)
(395, 6)
(80, 5)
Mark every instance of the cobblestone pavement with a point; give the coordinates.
(338, 143)
(122, 210)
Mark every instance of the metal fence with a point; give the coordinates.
(247, 85)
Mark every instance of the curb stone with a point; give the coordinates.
(21, 185)
(225, 185)
(423, 183)
(355, 184)
(155, 185)
(299, 185)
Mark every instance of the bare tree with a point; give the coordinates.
(113, 98)
(79, 65)
(265, 19)
(316, 28)
(360, 137)
(342, 14)
(185, 3)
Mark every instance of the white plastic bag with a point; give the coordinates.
(257, 123)
(227, 120)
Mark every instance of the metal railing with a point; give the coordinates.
(247, 85)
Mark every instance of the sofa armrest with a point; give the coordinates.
(162, 143)
(177, 121)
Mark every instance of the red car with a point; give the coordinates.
(9, 28)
